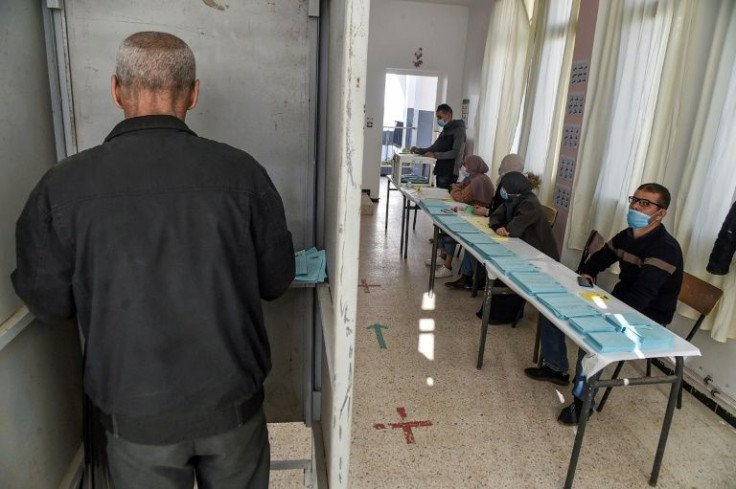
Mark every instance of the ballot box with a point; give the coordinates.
(413, 169)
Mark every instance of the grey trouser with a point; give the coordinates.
(239, 458)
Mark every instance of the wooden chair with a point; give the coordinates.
(550, 213)
(595, 242)
(696, 293)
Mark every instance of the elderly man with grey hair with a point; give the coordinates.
(162, 244)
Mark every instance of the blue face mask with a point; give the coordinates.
(637, 220)
(464, 174)
(504, 195)
(441, 122)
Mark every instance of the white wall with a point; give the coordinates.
(345, 24)
(397, 29)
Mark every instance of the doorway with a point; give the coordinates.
(409, 103)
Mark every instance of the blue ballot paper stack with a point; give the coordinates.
(310, 266)
(568, 306)
(537, 283)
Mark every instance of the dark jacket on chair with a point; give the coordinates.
(725, 245)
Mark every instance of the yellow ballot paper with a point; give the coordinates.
(595, 296)
(500, 238)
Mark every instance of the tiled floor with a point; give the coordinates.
(493, 428)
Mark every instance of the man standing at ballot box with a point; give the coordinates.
(163, 244)
(447, 149)
(651, 276)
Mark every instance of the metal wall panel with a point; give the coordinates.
(26, 132)
(252, 62)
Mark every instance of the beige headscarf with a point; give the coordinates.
(510, 162)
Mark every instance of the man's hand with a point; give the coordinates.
(481, 211)
(502, 232)
(413, 149)
(589, 277)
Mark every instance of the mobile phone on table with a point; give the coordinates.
(584, 281)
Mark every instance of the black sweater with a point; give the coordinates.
(651, 271)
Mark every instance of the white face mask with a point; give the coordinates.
(463, 174)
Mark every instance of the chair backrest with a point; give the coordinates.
(595, 242)
(550, 213)
(699, 294)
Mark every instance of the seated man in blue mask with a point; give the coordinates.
(651, 276)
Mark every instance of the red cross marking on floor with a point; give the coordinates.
(406, 426)
(364, 283)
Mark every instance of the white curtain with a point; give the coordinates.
(503, 80)
(546, 94)
(660, 110)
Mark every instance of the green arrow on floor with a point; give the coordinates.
(379, 334)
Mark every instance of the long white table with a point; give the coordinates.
(594, 362)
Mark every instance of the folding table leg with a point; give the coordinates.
(616, 372)
(406, 231)
(403, 219)
(582, 422)
(668, 415)
(388, 193)
(434, 259)
(537, 340)
(474, 290)
(484, 324)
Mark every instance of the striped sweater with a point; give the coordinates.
(651, 271)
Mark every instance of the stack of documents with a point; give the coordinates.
(608, 342)
(463, 227)
(435, 193)
(653, 337)
(450, 220)
(310, 266)
(587, 325)
(627, 319)
(508, 264)
(436, 207)
(493, 249)
(567, 306)
(537, 282)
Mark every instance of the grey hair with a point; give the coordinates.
(155, 61)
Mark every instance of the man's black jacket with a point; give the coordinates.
(163, 244)
(725, 245)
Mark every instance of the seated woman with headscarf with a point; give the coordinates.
(510, 162)
(520, 216)
(476, 189)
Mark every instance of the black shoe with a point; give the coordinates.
(570, 416)
(546, 374)
(462, 283)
